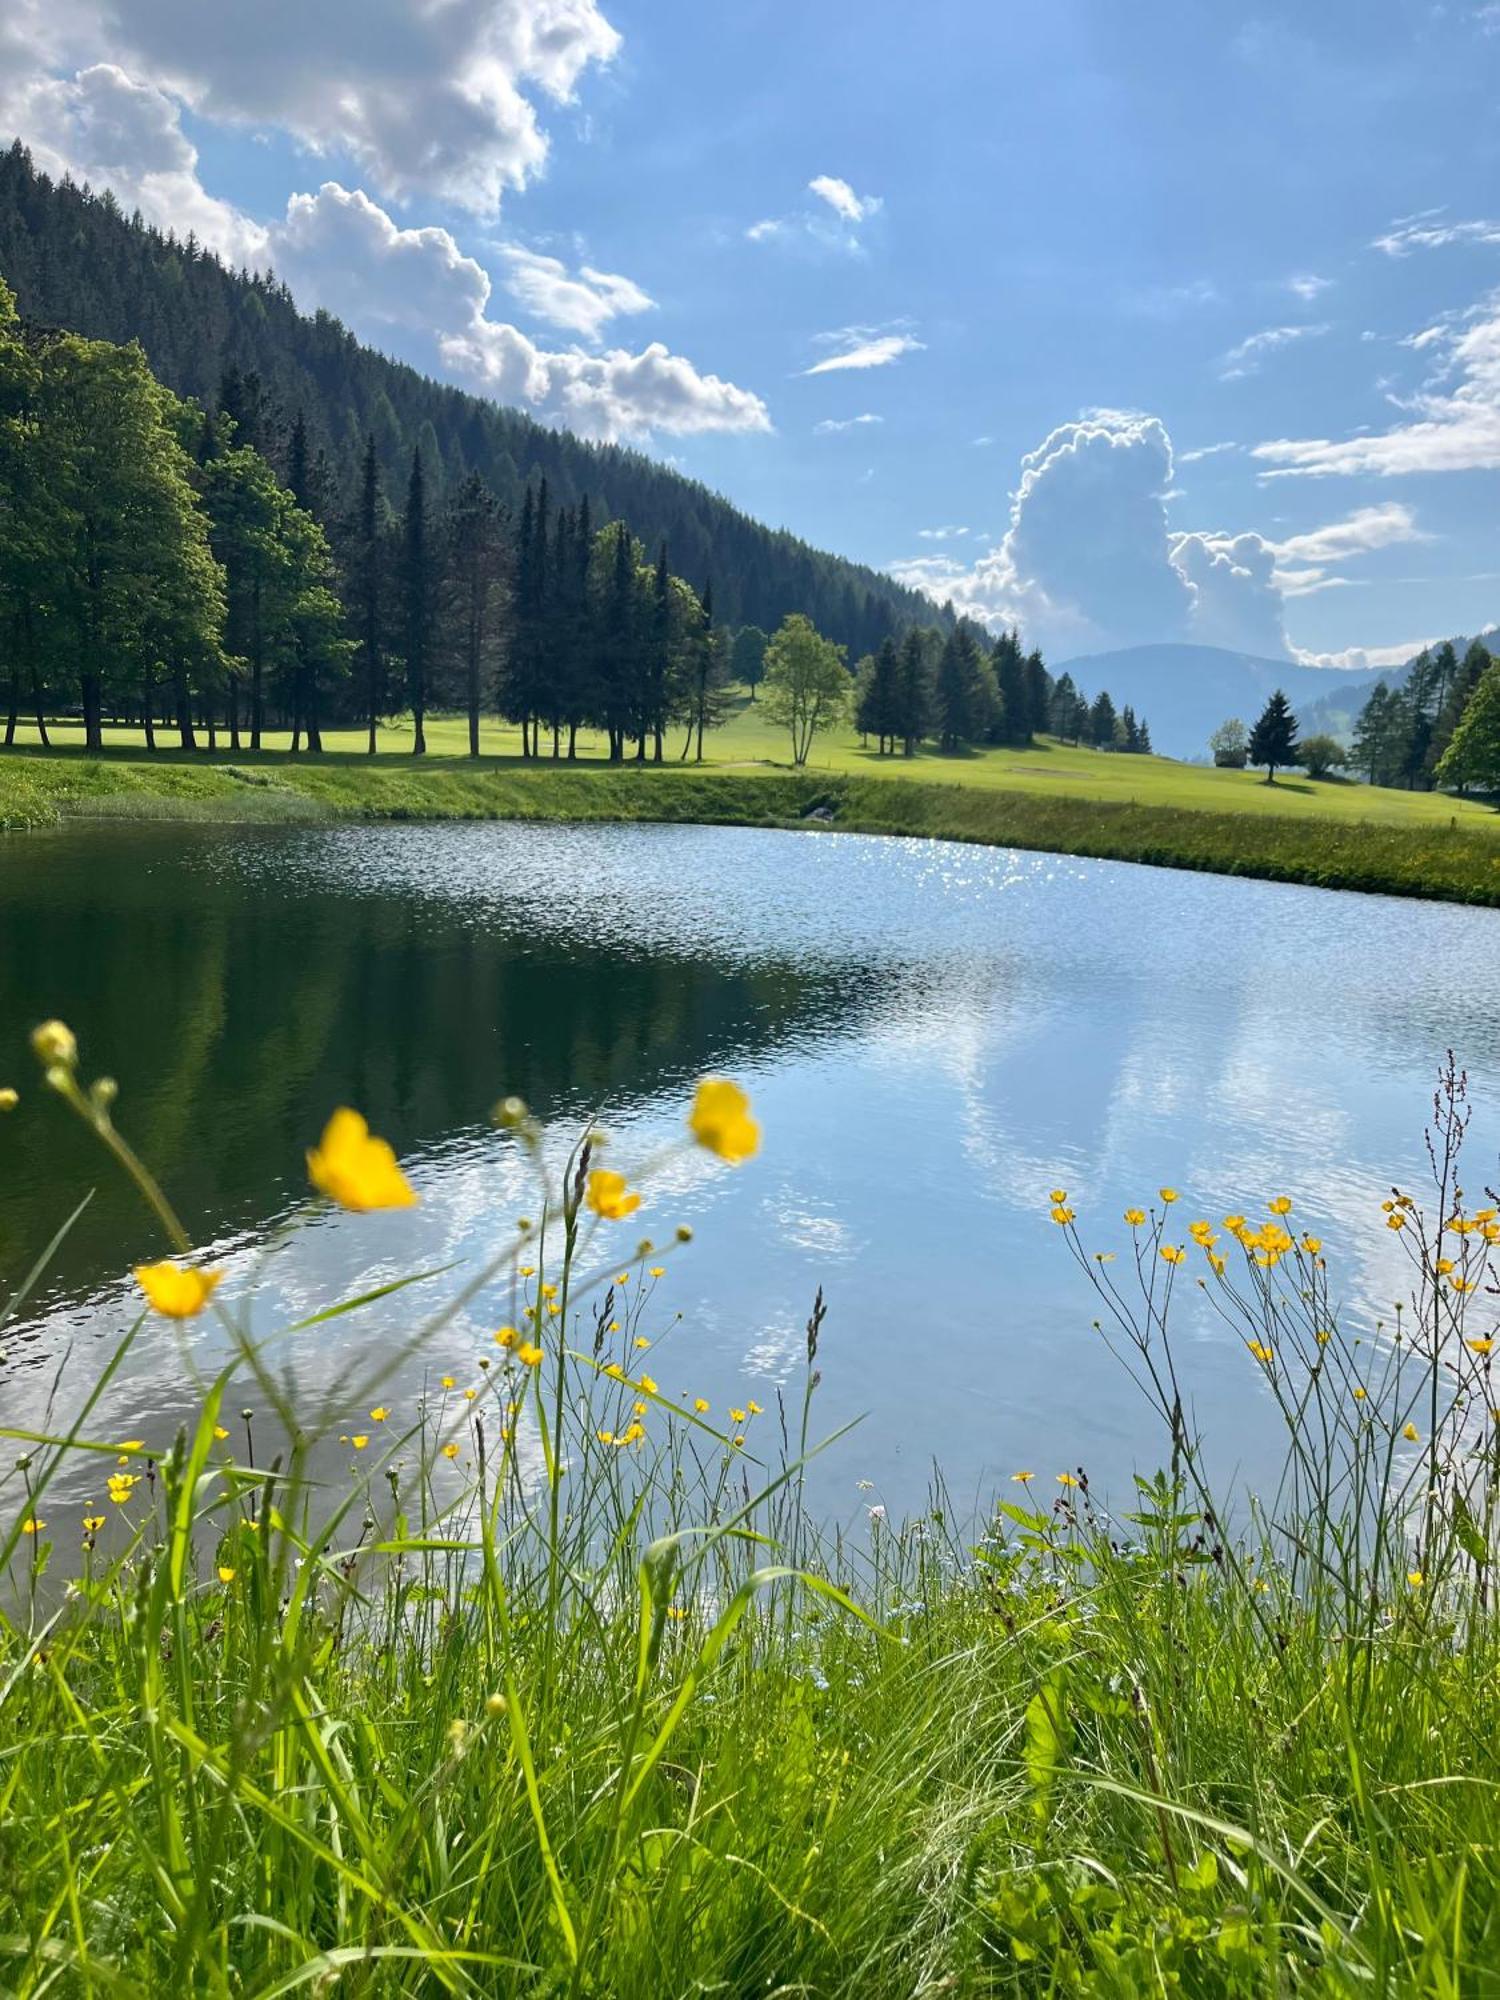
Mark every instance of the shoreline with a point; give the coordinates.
(1433, 862)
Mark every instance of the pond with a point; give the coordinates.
(934, 1037)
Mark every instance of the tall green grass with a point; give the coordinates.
(559, 1690)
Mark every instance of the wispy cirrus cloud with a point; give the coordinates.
(1248, 356)
(860, 347)
(831, 220)
(830, 425)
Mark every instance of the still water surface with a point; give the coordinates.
(934, 1036)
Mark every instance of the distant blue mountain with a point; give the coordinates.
(1185, 692)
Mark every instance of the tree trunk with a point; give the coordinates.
(640, 748)
(14, 716)
(93, 725)
(184, 704)
(699, 758)
(148, 718)
(234, 715)
(656, 745)
(473, 698)
(572, 742)
(39, 706)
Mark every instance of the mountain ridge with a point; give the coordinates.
(75, 260)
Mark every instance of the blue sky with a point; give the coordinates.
(1176, 321)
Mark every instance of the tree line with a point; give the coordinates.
(963, 690)
(1439, 728)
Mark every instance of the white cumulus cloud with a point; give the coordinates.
(342, 248)
(584, 301)
(830, 425)
(1088, 560)
(430, 99)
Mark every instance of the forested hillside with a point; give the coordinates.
(75, 260)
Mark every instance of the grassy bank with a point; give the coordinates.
(559, 1691)
(1423, 846)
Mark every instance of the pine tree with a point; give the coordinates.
(473, 592)
(368, 545)
(968, 704)
(1273, 741)
(416, 601)
(914, 698)
(1102, 723)
(878, 708)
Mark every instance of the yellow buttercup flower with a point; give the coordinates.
(701, 1405)
(177, 1290)
(1022, 1478)
(1059, 1195)
(355, 1169)
(360, 1440)
(9, 1098)
(1167, 1194)
(220, 1433)
(648, 1383)
(450, 1451)
(1171, 1253)
(1409, 1432)
(1481, 1346)
(449, 1382)
(608, 1195)
(657, 1271)
(1062, 1217)
(1312, 1245)
(506, 1337)
(379, 1414)
(529, 1354)
(754, 1408)
(1395, 1220)
(1066, 1479)
(226, 1574)
(1415, 1578)
(32, 1527)
(1135, 1217)
(1282, 1205)
(720, 1120)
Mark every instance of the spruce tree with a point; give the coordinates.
(416, 601)
(1273, 741)
(1473, 757)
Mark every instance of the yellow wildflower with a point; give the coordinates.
(360, 1440)
(1168, 1195)
(529, 1354)
(92, 1523)
(1261, 1352)
(9, 1098)
(658, 1271)
(1481, 1346)
(639, 1341)
(355, 1169)
(1281, 1205)
(1066, 1479)
(1059, 1195)
(1415, 1578)
(1395, 1220)
(449, 1382)
(220, 1433)
(379, 1414)
(1312, 1245)
(1062, 1217)
(1463, 1284)
(450, 1450)
(32, 1527)
(1234, 1224)
(1359, 1395)
(605, 1437)
(701, 1405)
(648, 1383)
(177, 1290)
(720, 1120)
(613, 1368)
(1135, 1217)
(1172, 1253)
(754, 1408)
(506, 1337)
(736, 1416)
(226, 1574)
(1202, 1234)
(1022, 1478)
(1409, 1432)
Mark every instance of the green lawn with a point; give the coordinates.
(749, 742)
